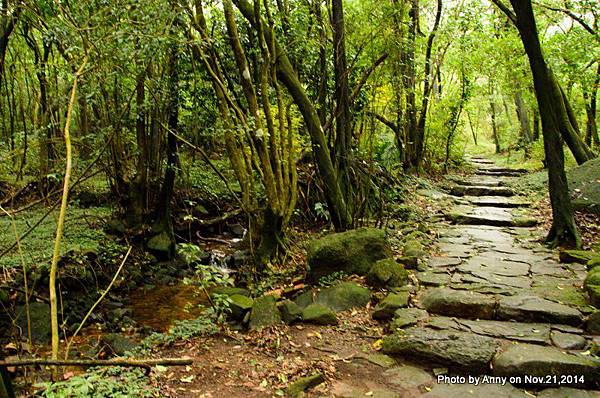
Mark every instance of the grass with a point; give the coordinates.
(82, 232)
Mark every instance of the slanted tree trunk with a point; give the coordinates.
(536, 125)
(555, 120)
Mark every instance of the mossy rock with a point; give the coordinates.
(319, 315)
(578, 256)
(592, 285)
(387, 273)
(416, 236)
(239, 305)
(592, 325)
(592, 278)
(353, 252)
(344, 296)
(264, 313)
(388, 306)
(305, 299)
(413, 248)
(162, 246)
(524, 222)
(290, 311)
(116, 344)
(594, 293)
(4, 298)
(593, 263)
(303, 384)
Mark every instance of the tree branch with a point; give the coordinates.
(573, 16)
(504, 8)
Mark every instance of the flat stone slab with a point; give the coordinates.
(528, 308)
(487, 390)
(475, 190)
(404, 317)
(526, 332)
(498, 173)
(344, 390)
(429, 278)
(494, 263)
(443, 262)
(498, 201)
(490, 216)
(455, 349)
(462, 303)
(456, 250)
(536, 360)
(568, 341)
(407, 377)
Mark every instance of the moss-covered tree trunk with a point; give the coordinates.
(163, 240)
(555, 118)
(336, 201)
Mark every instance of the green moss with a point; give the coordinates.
(344, 296)
(319, 314)
(388, 306)
(239, 305)
(298, 387)
(353, 252)
(264, 313)
(387, 273)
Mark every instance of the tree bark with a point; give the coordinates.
(343, 120)
(335, 199)
(524, 127)
(555, 120)
(591, 127)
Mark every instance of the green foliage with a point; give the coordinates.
(101, 383)
(332, 278)
(80, 234)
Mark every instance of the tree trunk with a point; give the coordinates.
(591, 127)
(555, 119)
(163, 221)
(410, 121)
(342, 147)
(420, 133)
(335, 199)
(524, 127)
(495, 132)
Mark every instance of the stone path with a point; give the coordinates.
(492, 303)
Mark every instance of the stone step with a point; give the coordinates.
(478, 182)
(498, 201)
(475, 190)
(522, 307)
(549, 363)
(504, 170)
(454, 349)
(489, 216)
(498, 173)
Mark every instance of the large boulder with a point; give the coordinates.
(264, 313)
(592, 324)
(387, 273)
(352, 252)
(344, 296)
